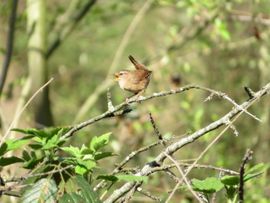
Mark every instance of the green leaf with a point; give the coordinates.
(131, 178)
(258, 168)
(230, 180)
(12, 144)
(81, 170)
(208, 185)
(26, 155)
(102, 155)
(3, 149)
(51, 142)
(45, 190)
(71, 198)
(99, 142)
(251, 176)
(86, 191)
(33, 132)
(89, 164)
(4, 161)
(35, 146)
(111, 178)
(74, 151)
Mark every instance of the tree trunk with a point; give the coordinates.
(38, 73)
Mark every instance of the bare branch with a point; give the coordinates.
(146, 170)
(247, 157)
(158, 134)
(71, 20)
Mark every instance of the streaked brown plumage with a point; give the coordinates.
(135, 81)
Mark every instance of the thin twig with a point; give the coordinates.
(179, 182)
(224, 170)
(156, 130)
(22, 110)
(247, 157)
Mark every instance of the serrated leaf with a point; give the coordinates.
(51, 142)
(208, 185)
(45, 190)
(5, 161)
(74, 151)
(230, 180)
(99, 142)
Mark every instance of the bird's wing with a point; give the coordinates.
(136, 63)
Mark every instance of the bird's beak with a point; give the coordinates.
(116, 76)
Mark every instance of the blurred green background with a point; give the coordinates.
(223, 45)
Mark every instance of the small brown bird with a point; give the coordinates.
(135, 81)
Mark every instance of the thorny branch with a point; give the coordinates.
(147, 170)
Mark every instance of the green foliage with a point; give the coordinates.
(208, 185)
(86, 194)
(85, 158)
(99, 142)
(44, 190)
(228, 182)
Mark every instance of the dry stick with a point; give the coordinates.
(146, 170)
(247, 157)
(179, 181)
(118, 55)
(22, 110)
(158, 134)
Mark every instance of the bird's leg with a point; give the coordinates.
(135, 97)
